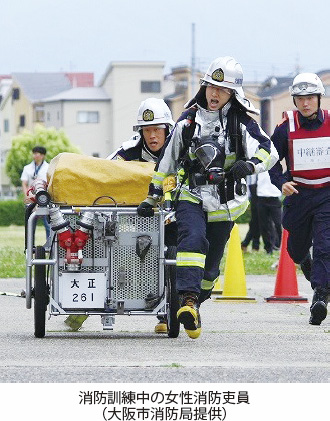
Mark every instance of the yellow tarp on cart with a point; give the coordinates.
(79, 180)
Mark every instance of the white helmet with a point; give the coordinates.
(153, 111)
(224, 71)
(227, 72)
(306, 84)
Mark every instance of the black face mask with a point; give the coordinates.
(211, 156)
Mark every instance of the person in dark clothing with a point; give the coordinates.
(154, 123)
(269, 213)
(253, 233)
(217, 144)
(302, 139)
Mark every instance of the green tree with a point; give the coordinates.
(20, 154)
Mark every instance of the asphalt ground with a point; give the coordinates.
(241, 342)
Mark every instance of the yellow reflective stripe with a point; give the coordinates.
(158, 178)
(184, 258)
(180, 174)
(207, 284)
(222, 215)
(185, 195)
(262, 155)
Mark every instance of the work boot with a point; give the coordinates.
(161, 326)
(319, 306)
(188, 314)
(75, 322)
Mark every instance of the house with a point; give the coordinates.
(97, 119)
(5, 137)
(84, 115)
(21, 106)
(128, 83)
(179, 87)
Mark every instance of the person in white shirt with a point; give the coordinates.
(36, 169)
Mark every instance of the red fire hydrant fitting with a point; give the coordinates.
(73, 243)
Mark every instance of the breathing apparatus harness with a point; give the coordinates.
(208, 167)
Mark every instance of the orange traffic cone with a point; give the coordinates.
(234, 288)
(286, 287)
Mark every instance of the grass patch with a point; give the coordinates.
(12, 257)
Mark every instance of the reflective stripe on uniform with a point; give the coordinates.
(186, 195)
(263, 155)
(222, 215)
(207, 285)
(184, 258)
(158, 178)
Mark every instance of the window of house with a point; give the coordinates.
(150, 86)
(6, 125)
(327, 90)
(87, 117)
(22, 120)
(39, 114)
(15, 94)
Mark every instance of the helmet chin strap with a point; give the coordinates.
(314, 115)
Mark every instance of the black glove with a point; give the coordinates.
(241, 169)
(145, 209)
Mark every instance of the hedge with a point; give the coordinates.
(12, 212)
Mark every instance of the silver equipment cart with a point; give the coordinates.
(124, 268)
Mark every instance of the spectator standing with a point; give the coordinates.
(269, 207)
(37, 169)
(253, 233)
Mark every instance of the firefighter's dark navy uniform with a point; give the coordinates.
(206, 210)
(304, 143)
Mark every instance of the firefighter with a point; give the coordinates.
(302, 139)
(215, 145)
(154, 123)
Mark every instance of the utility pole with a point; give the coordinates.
(297, 67)
(193, 63)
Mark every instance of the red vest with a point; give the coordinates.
(309, 152)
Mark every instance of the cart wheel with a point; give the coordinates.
(40, 295)
(172, 297)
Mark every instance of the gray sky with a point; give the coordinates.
(266, 36)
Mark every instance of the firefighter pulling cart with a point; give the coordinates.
(102, 259)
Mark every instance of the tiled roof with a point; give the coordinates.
(79, 94)
(37, 86)
(80, 80)
(274, 86)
